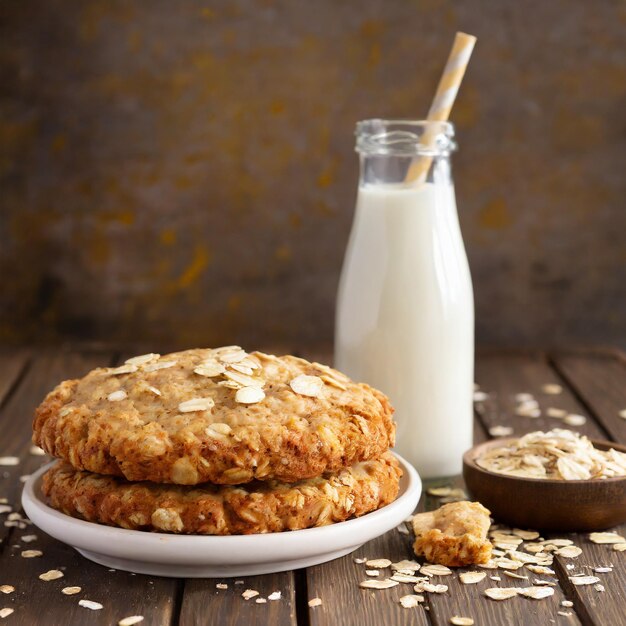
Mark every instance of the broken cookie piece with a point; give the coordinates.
(454, 535)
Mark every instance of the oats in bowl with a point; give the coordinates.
(557, 454)
(557, 480)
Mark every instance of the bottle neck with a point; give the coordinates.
(404, 151)
(388, 169)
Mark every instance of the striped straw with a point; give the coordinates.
(444, 99)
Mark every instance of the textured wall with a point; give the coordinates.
(184, 171)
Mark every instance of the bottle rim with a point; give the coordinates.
(404, 137)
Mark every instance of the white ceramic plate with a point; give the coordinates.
(197, 556)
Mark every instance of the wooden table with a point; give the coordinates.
(594, 384)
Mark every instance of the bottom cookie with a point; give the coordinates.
(257, 507)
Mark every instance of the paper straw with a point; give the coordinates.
(444, 99)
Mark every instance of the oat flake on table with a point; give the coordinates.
(410, 601)
(551, 389)
(536, 593)
(433, 569)
(406, 565)
(569, 552)
(71, 591)
(584, 580)
(606, 537)
(405, 578)
(387, 583)
(572, 419)
(471, 578)
(31, 554)
(90, 604)
(53, 574)
(131, 620)
(500, 431)
(501, 593)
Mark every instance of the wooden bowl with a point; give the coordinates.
(561, 505)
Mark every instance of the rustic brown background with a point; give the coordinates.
(184, 171)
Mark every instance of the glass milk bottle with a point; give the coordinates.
(405, 309)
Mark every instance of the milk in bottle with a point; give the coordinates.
(405, 313)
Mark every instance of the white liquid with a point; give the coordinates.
(405, 318)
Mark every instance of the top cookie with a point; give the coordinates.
(219, 415)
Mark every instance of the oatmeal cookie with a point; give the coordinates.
(218, 415)
(454, 535)
(258, 507)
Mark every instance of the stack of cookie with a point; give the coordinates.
(217, 442)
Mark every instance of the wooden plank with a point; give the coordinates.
(12, 364)
(594, 606)
(343, 602)
(505, 375)
(16, 415)
(204, 604)
(599, 379)
(120, 593)
(470, 601)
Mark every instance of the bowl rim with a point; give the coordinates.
(469, 460)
